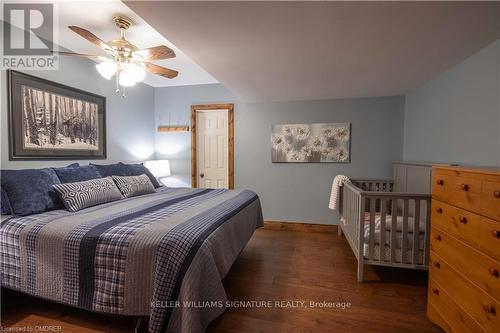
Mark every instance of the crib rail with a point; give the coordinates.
(384, 227)
(351, 206)
(378, 185)
(403, 223)
(374, 185)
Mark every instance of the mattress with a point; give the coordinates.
(137, 256)
(398, 232)
(387, 254)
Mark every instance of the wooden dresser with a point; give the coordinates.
(464, 278)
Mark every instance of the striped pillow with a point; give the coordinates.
(80, 195)
(130, 186)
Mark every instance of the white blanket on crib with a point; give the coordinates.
(338, 182)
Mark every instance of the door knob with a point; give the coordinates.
(202, 175)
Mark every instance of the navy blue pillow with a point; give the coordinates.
(5, 203)
(30, 190)
(71, 174)
(122, 169)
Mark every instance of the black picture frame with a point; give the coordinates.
(18, 150)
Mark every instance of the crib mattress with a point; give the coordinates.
(398, 235)
(387, 247)
(387, 254)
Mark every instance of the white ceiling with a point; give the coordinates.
(317, 50)
(96, 16)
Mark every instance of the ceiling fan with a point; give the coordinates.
(124, 59)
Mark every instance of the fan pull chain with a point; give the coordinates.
(117, 80)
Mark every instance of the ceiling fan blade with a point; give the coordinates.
(91, 38)
(156, 53)
(89, 56)
(162, 71)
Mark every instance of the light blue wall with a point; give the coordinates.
(176, 146)
(289, 192)
(130, 121)
(452, 118)
(300, 192)
(455, 117)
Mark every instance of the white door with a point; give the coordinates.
(212, 148)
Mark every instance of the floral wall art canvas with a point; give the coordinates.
(311, 143)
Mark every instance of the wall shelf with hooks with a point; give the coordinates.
(173, 128)
(179, 127)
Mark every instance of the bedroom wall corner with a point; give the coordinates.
(174, 104)
(455, 117)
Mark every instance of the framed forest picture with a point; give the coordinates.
(50, 121)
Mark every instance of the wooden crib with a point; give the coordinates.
(384, 227)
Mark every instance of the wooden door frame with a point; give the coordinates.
(230, 139)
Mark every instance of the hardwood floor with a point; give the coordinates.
(277, 265)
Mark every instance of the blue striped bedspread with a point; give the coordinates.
(125, 256)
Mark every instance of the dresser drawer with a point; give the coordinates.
(459, 189)
(490, 200)
(436, 317)
(458, 222)
(449, 316)
(480, 306)
(477, 267)
(489, 237)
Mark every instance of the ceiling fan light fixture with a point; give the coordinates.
(107, 69)
(131, 74)
(125, 61)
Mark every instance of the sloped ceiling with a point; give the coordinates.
(318, 50)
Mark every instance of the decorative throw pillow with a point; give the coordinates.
(72, 174)
(122, 169)
(30, 190)
(131, 186)
(80, 195)
(6, 210)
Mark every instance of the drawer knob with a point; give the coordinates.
(462, 219)
(439, 210)
(494, 272)
(437, 264)
(435, 291)
(496, 194)
(464, 187)
(495, 233)
(438, 237)
(440, 182)
(490, 309)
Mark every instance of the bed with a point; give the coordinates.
(384, 227)
(143, 256)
